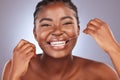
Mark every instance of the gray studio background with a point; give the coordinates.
(16, 22)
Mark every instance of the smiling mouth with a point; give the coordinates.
(58, 43)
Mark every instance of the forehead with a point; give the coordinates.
(56, 9)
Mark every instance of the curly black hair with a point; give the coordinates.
(68, 3)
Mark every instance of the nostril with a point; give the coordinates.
(58, 33)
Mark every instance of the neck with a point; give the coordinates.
(56, 66)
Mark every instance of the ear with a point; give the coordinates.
(34, 33)
(78, 31)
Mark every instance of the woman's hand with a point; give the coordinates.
(100, 31)
(22, 55)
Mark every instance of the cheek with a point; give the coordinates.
(42, 34)
(42, 38)
(73, 32)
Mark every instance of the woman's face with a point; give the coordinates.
(56, 30)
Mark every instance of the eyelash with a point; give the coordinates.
(45, 25)
(67, 23)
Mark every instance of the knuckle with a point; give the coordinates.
(15, 50)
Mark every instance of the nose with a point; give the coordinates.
(57, 31)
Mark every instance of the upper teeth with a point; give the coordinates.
(59, 43)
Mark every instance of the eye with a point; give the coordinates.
(45, 25)
(67, 23)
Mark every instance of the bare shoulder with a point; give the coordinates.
(6, 70)
(93, 68)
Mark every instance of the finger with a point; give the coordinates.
(103, 24)
(25, 46)
(98, 20)
(92, 27)
(21, 43)
(34, 50)
(33, 46)
(94, 23)
(28, 50)
(30, 55)
(89, 31)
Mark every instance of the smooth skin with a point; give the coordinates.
(102, 34)
(57, 62)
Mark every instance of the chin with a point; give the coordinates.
(58, 55)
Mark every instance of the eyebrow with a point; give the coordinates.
(66, 17)
(49, 19)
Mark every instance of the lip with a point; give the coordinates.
(58, 45)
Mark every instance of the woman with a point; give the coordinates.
(56, 28)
